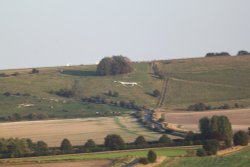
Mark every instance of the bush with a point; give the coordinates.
(152, 156)
(156, 93)
(114, 65)
(241, 138)
(211, 146)
(201, 152)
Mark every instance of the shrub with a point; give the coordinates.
(156, 93)
(241, 138)
(201, 152)
(152, 156)
(211, 146)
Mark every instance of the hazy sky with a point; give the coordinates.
(56, 32)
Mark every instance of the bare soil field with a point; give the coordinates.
(78, 131)
(96, 163)
(240, 118)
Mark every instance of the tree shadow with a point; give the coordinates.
(80, 73)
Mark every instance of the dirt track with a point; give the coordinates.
(240, 118)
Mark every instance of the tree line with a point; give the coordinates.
(15, 147)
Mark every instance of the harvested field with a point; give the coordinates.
(240, 118)
(96, 163)
(78, 131)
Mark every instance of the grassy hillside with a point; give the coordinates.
(90, 84)
(216, 81)
(241, 159)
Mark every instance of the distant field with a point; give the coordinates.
(240, 118)
(95, 163)
(214, 81)
(78, 131)
(241, 159)
(170, 152)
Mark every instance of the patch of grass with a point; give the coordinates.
(241, 159)
(215, 80)
(170, 152)
(131, 130)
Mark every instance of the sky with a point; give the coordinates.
(41, 33)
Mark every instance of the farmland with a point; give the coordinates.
(78, 131)
(239, 118)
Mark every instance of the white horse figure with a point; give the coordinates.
(128, 84)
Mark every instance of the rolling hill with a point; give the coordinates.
(214, 81)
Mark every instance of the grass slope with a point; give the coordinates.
(215, 81)
(38, 86)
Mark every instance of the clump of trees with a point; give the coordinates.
(243, 53)
(30, 116)
(211, 54)
(15, 147)
(114, 65)
(218, 127)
